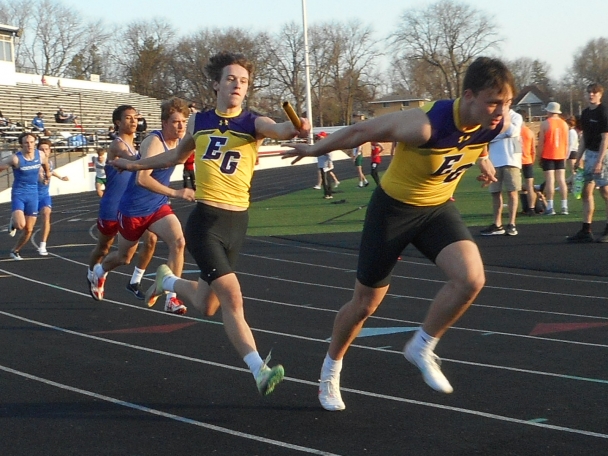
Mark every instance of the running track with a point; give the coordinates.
(80, 377)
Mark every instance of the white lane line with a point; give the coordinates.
(170, 416)
(422, 279)
(314, 384)
(337, 250)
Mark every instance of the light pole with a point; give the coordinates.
(307, 68)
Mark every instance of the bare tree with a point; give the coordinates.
(446, 35)
(591, 62)
(192, 53)
(527, 71)
(352, 65)
(144, 53)
(51, 40)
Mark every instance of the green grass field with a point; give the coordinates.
(306, 212)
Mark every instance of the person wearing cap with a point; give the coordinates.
(592, 145)
(553, 150)
(38, 122)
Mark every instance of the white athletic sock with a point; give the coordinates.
(330, 367)
(565, 204)
(425, 341)
(255, 362)
(171, 295)
(549, 204)
(98, 270)
(138, 274)
(169, 282)
(42, 245)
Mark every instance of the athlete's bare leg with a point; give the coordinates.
(26, 231)
(462, 264)
(147, 250)
(352, 316)
(170, 231)
(45, 228)
(100, 250)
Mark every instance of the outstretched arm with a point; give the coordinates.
(170, 158)
(411, 127)
(153, 147)
(268, 128)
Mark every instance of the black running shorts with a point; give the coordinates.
(214, 238)
(391, 225)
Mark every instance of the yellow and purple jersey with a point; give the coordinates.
(225, 156)
(427, 175)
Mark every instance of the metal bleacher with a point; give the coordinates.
(19, 103)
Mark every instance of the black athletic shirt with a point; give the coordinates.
(594, 122)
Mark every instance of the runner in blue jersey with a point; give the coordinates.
(26, 165)
(144, 204)
(124, 119)
(44, 196)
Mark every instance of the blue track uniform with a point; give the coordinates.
(24, 193)
(44, 196)
(138, 201)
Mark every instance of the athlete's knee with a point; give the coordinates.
(179, 244)
(471, 282)
(365, 301)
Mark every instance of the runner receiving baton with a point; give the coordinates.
(436, 144)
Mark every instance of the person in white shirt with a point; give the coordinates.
(505, 154)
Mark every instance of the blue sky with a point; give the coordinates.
(548, 30)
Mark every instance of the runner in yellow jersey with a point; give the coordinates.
(225, 141)
(435, 146)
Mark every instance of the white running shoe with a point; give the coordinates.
(96, 286)
(43, 251)
(15, 256)
(317, 187)
(174, 305)
(428, 363)
(329, 394)
(157, 287)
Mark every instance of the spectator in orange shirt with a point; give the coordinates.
(528, 157)
(553, 148)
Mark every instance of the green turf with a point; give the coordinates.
(306, 211)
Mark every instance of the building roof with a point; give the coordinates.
(9, 28)
(531, 95)
(396, 98)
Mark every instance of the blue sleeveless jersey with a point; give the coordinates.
(116, 183)
(138, 201)
(26, 176)
(43, 189)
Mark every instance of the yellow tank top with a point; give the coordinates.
(428, 175)
(225, 156)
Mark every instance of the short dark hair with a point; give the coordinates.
(24, 134)
(487, 73)
(44, 141)
(117, 114)
(595, 87)
(218, 62)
